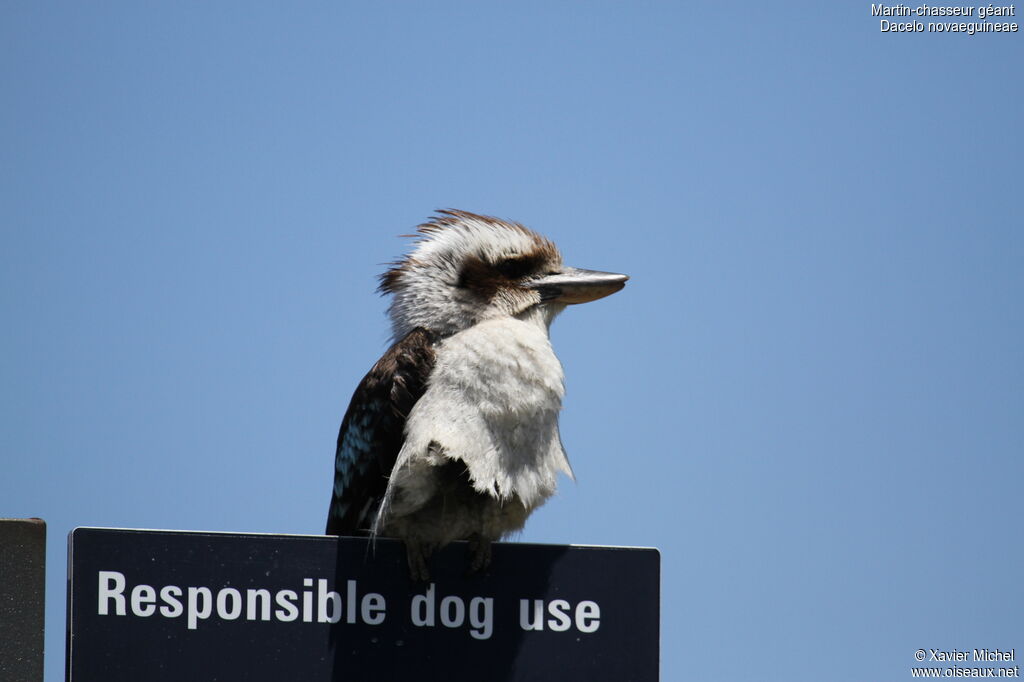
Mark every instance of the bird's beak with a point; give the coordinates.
(573, 285)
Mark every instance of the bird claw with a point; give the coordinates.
(418, 554)
(479, 554)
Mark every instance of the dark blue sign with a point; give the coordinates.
(163, 605)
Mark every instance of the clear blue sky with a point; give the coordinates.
(810, 395)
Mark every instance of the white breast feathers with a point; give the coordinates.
(492, 402)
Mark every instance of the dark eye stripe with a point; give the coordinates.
(485, 277)
(519, 267)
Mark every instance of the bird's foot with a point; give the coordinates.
(479, 554)
(418, 555)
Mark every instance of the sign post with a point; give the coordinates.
(22, 596)
(163, 605)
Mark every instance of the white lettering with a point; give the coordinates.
(588, 616)
(194, 611)
(319, 602)
(373, 608)
(560, 620)
(350, 593)
(323, 595)
(453, 612)
(288, 611)
(421, 610)
(537, 622)
(143, 600)
(481, 617)
(169, 596)
(250, 604)
(111, 587)
(307, 602)
(223, 610)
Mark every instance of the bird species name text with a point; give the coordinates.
(981, 12)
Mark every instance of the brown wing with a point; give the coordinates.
(372, 432)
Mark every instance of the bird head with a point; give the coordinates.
(465, 268)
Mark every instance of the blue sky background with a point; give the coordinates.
(809, 396)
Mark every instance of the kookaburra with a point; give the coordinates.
(453, 435)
